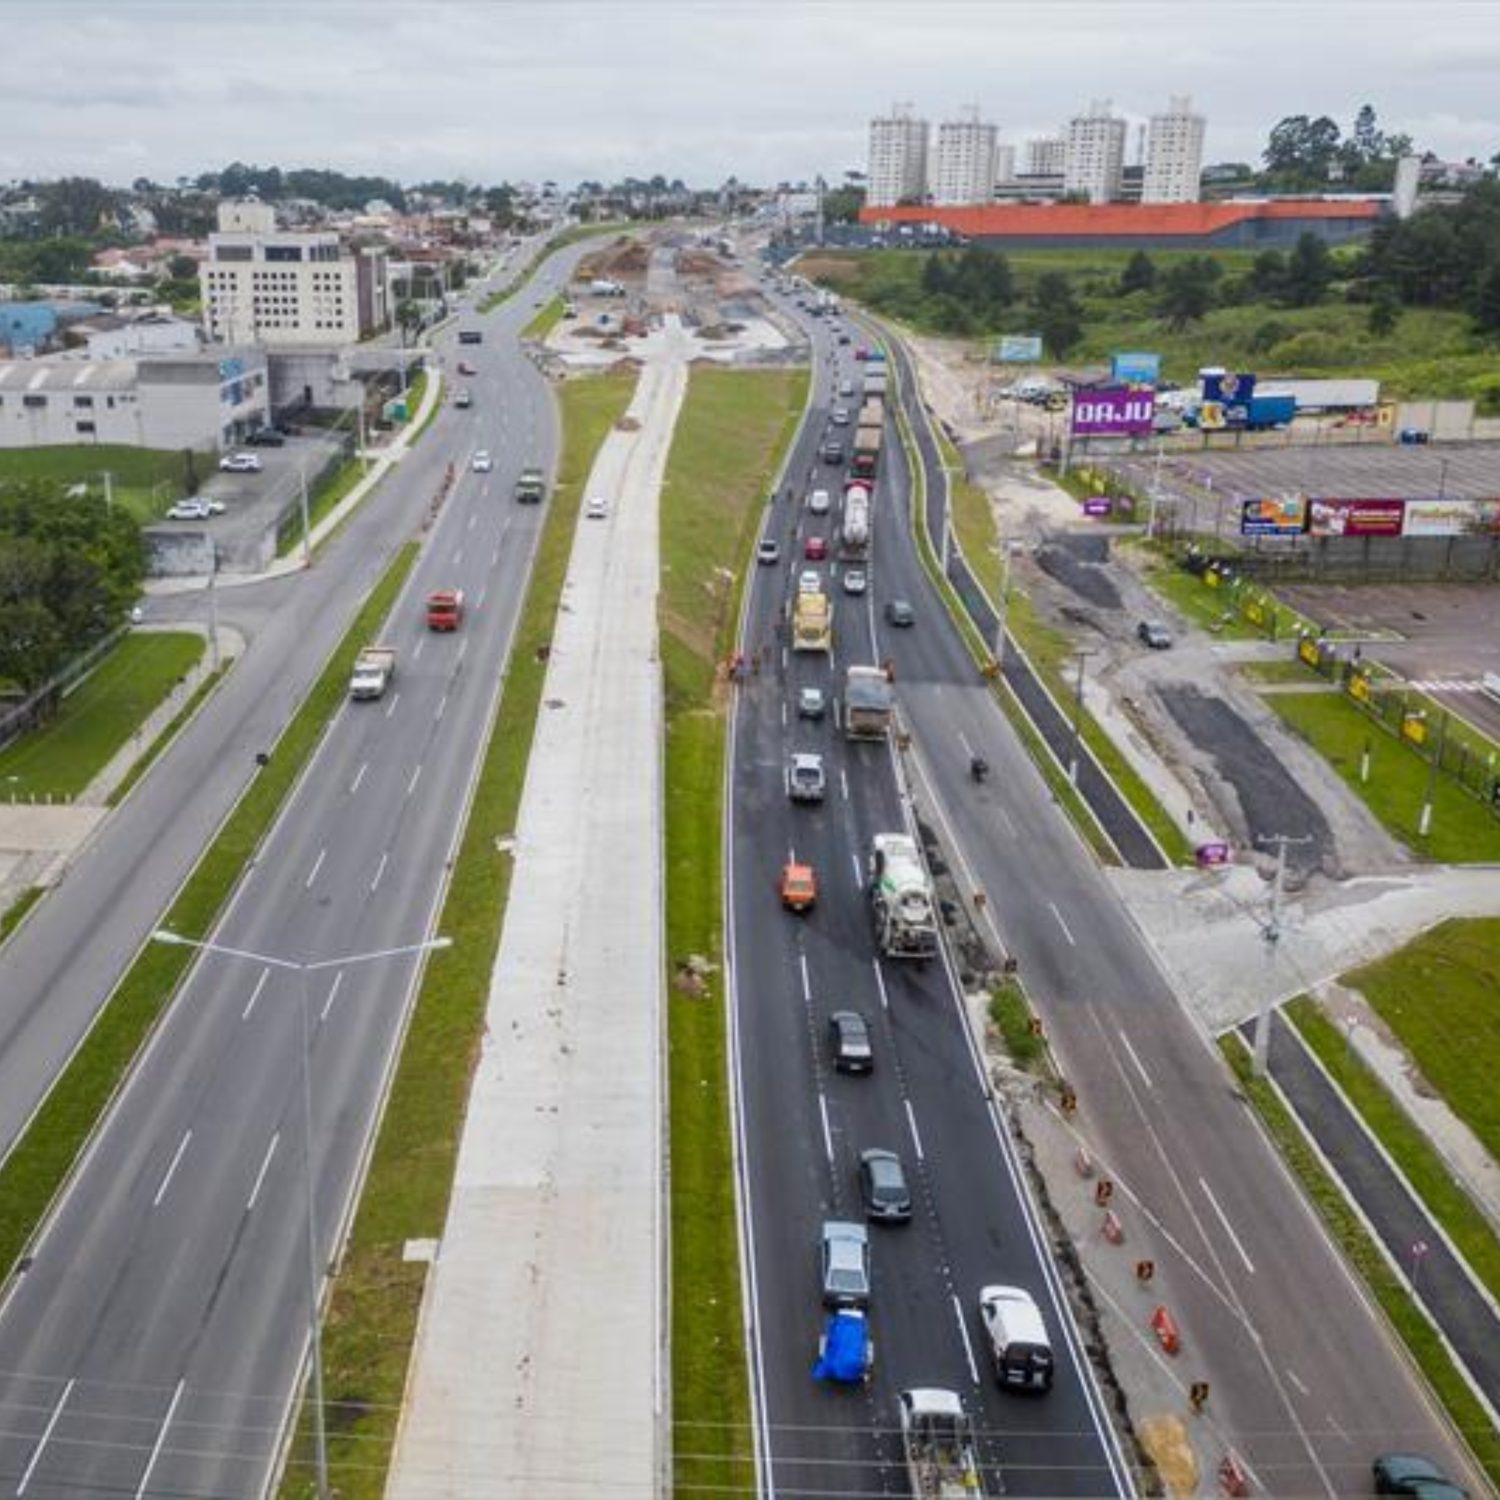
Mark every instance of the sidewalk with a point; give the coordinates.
(540, 1364)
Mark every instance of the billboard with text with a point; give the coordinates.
(1355, 517)
(1451, 517)
(1113, 412)
(1274, 515)
(1018, 349)
(1135, 368)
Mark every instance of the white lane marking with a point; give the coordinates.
(968, 749)
(854, 860)
(312, 874)
(182, 1146)
(46, 1437)
(265, 1166)
(495, 556)
(479, 602)
(411, 785)
(333, 990)
(844, 782)
(916, 1138)
(1234, 1239)
(161, 1438)
(963, 1333)
(395, 699)
(827, 1132)
(1292, 1376)
(417, 649)
(463, 646)
(806, 981)
(783, 716)
(458, 556)
(885, 1003)
(472, 520)
(442, 706)
(359, 776)
(260, 984)
(1140, 1067)
(379, 871)
(1052, 907)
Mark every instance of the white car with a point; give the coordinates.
(819, 502)
(240, 463)
(855, 581)
(482, 464)
(840, 416)
(809, 581)
(597, 508)
(189, 510)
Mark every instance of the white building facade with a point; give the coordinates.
(898, 160)
(1046, 156)
(1096, 154)
(1174, 155)
(964, 162)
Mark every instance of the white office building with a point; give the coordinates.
(964, 163)
(898, 159)
(276, 288)
(1096, 154)
(1174, 155)
(1005, 162)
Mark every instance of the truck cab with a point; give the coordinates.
(445, 609)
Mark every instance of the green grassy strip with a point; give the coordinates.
(1014, 1019)
(415, 395)
(42, 1158)
(14, 914)
(143, 761)
(1348, 1231)
(97, 719)
(731, 435)
(323, 498)
(545, 321)
(1427, 1172)
(972, 518)
(560, 242)
(372, 1317)
(145, 480)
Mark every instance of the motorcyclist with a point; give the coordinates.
(979, 767)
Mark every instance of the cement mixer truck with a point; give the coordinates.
(901, 899)
(854, 534)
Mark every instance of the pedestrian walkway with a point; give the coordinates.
(539, 1371)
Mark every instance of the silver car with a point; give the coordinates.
(844, 1264)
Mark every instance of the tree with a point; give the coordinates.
(182, 268)
(1187, 291)
(1139, 274)
(842, 205)
(1366, 139)
(1059, 318)
(75, 205)
(1384, 313)
(1300, 151)
(1486, 304)
(1267, 279)
(1309, 270)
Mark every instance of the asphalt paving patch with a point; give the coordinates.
(1078, 564)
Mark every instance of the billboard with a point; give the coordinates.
(1232, 390)
(1114, 411)
(1355, 517)
(1274, 515)
(1017, 349)
(1451, 517)
(1135, 368)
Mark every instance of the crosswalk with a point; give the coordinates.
(1447, 685)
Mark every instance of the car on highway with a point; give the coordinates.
(597, 508)
(833, 452)
(769, 550)
(193, 510)
(809, 581)
(1154, 634)
(899, 612)
(839, 416)
(799, 887)
(466, 368)
(1412, 1474)
(463, 398)
(844, 1264)
(849, 1037)
(861, 352)
(843, 338)
(240, 463)
(811, 704)
(815, 549)
(1019, 1346)
(855, 581)
(819, 502)
(882, 1186)
(264, 437)
(482, 463)
(805, 781)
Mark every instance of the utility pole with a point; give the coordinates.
(306, 524)
(1272, 936)
(213, 605)
(109, 491)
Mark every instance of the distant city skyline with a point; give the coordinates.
(577, 89)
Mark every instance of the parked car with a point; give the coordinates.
(769, 550)
(844, 1264)
(463, 398)
(265, 437)
(899, 612)
(482, 463)
(1154, 634)
(882, 1186)
(466, 368)
(1412, 1474)
(850, 1036)
(194, 510)
(240, 463)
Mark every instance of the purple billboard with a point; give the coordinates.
(1113, 412)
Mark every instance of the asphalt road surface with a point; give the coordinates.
(803, 1126)
(154, 1342)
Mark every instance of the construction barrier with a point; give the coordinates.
(1114, 1230)
(1083, 1163)
(1233, 1479)
(1165, 1326)
(1198, 1395)
(1104, 1190)
(1144, 1271)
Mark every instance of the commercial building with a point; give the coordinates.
(1096, 154)
(111, 337)
(1174, 155)
(898, 159)
(261, 285)
(1046, 156)
(964, 162)
(1005, 163)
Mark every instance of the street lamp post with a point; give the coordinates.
(314, 1297)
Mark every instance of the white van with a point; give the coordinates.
(1018, 1338)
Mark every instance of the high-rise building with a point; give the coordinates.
(1046, 156)
(1096, 154)
(964, 163)
(898, 159)
(1005, 163)
(1174, 155)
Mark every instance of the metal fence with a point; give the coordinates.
(39, 706)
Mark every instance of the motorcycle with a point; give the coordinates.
(979, 769)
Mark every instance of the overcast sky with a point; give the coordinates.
(700, 89)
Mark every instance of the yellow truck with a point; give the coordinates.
(812, 623)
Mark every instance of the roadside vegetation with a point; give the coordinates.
(13, 915)
(96, 720)
(1019, 1027)
(726, 452)
(144, 761)
(545, 321)
(377, 1295)
(145, 481)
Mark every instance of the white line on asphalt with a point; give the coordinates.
(783, 715)
(827, 1133)
(176, 1157)
(885, 1003)
(963, 740)
(844, 782)
(260, 984)
(36, 1455)
(379, 871)
(312, 874)
(161, 1438)
(854, 860)
(916, 1138)
(1234, 1239)
(1140, 1067)
(1292, 1376)
(479, 602)
(458, 556)
(417, 649)
(806, 980)
(1334, 1424)
(395, 699)
(472, 520)
(333, 990)
(411, 785)
(963, 1333)
(442, 705)
(260, 1176)
(463, 646)
(495, 556)
(1052, 906)
(359, 776)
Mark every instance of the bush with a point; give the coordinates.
(1315, 350)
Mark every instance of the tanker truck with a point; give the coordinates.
(854, 534)
(901, 901)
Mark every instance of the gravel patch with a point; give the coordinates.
(1078, 563)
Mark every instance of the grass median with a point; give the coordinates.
(377, 1295)
(726, 452)
(147, 758)
(545, 321)
(42, 1158)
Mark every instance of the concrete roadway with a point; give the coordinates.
(154, 1343)
(1305, 1379)
(802, 1126)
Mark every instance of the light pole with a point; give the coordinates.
(314, 1297)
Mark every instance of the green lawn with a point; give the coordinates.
(727, 449)
(98, 718)
(146, 480)
(372, 1318)
(1462, 831)
(973, 519)
(545, 321)
(326, 493)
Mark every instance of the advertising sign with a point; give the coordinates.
(1355, 517)
(1275, 515)
(1231, 390)
(1135, 368)
(1209, 855)
(1098, 505)
(1018, 349)
(1451, 517)
(1113, 412)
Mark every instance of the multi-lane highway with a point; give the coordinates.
(803, 1126)
(152, 1344)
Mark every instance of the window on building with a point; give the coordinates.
(34, 401)
(283, 252)
(83, 400)
(84, 427)
(234, 252)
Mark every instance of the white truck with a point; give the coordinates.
(901, 899)
(854, 534)
(868, 703)
(373, 669)
(938, 1438)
